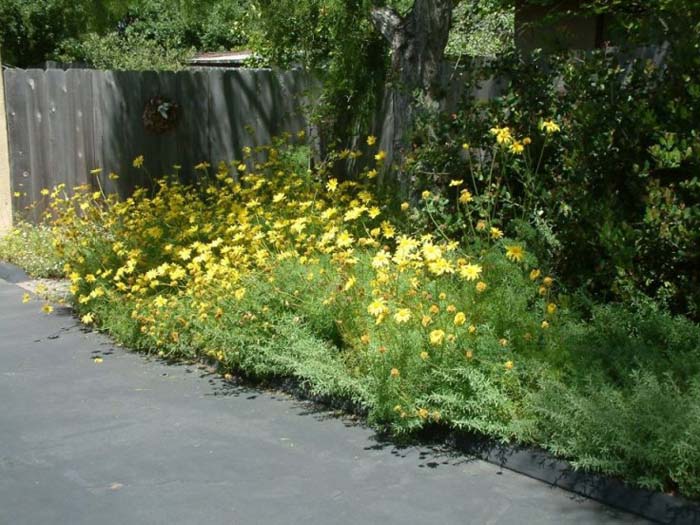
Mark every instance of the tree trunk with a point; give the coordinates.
(417, 42)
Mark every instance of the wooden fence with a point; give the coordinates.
(63, 124)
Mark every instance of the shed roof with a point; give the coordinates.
(220, 59)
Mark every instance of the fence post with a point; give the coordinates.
(5, 185)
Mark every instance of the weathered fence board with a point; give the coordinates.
(63, 124)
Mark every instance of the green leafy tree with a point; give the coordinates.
(31, 29)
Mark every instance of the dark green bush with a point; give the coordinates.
(615, 206)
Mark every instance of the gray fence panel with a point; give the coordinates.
(79, 85)
(18, 137)
(194, 130)
(37, 129)
(63, 124)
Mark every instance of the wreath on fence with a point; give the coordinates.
(160, 115)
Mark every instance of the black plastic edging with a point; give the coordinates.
(541, 465)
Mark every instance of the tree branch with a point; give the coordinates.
(386, 21)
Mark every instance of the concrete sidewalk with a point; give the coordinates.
(132, 440)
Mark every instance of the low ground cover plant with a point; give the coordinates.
(31, 247)
(274, 270)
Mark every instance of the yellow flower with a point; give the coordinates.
(242, 167)
(542, 290)
(545, 325)
(508, 365)
(472, 329)
(26, 298)
(364, 339)
(480, 226)
(470, 272)
(503, 135)
(517, 148)
(503, 342)
(405, 206)
(465, 197)
(44, 191)
(455, 182)
(332, 185)
(426, 320)
(465, 146)
(377, 307)
(138, 161)
(426, 195)
(534, 274)
(437, 337)
(379, 157)
(423, 413)
(432, 252)
(87, 318)
(371, 140)
(549, 127)
(202, 166)
(548, 282)
(402, 316)
(98, 360)
(469, 354)
(160, 301)
(460, 319)
(388, 229)
(551, 308)
(395, 372)
(344, 240)
(434, 309)
(372, 174)
(424, 355)
(47, 309)
(349, 284)
(381, 260)
(527, 141)
(515, 253)
(481, 287)
(496, 233)
(451, 308)
(440, 267)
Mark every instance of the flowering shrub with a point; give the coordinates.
(274, 270)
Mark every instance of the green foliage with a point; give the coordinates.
(647, 432)
(614, 211)
(134, 52)
(160, 35)
(483, 28)
(117, 34)
(30, 30)
(31, 247)
(336, 41)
